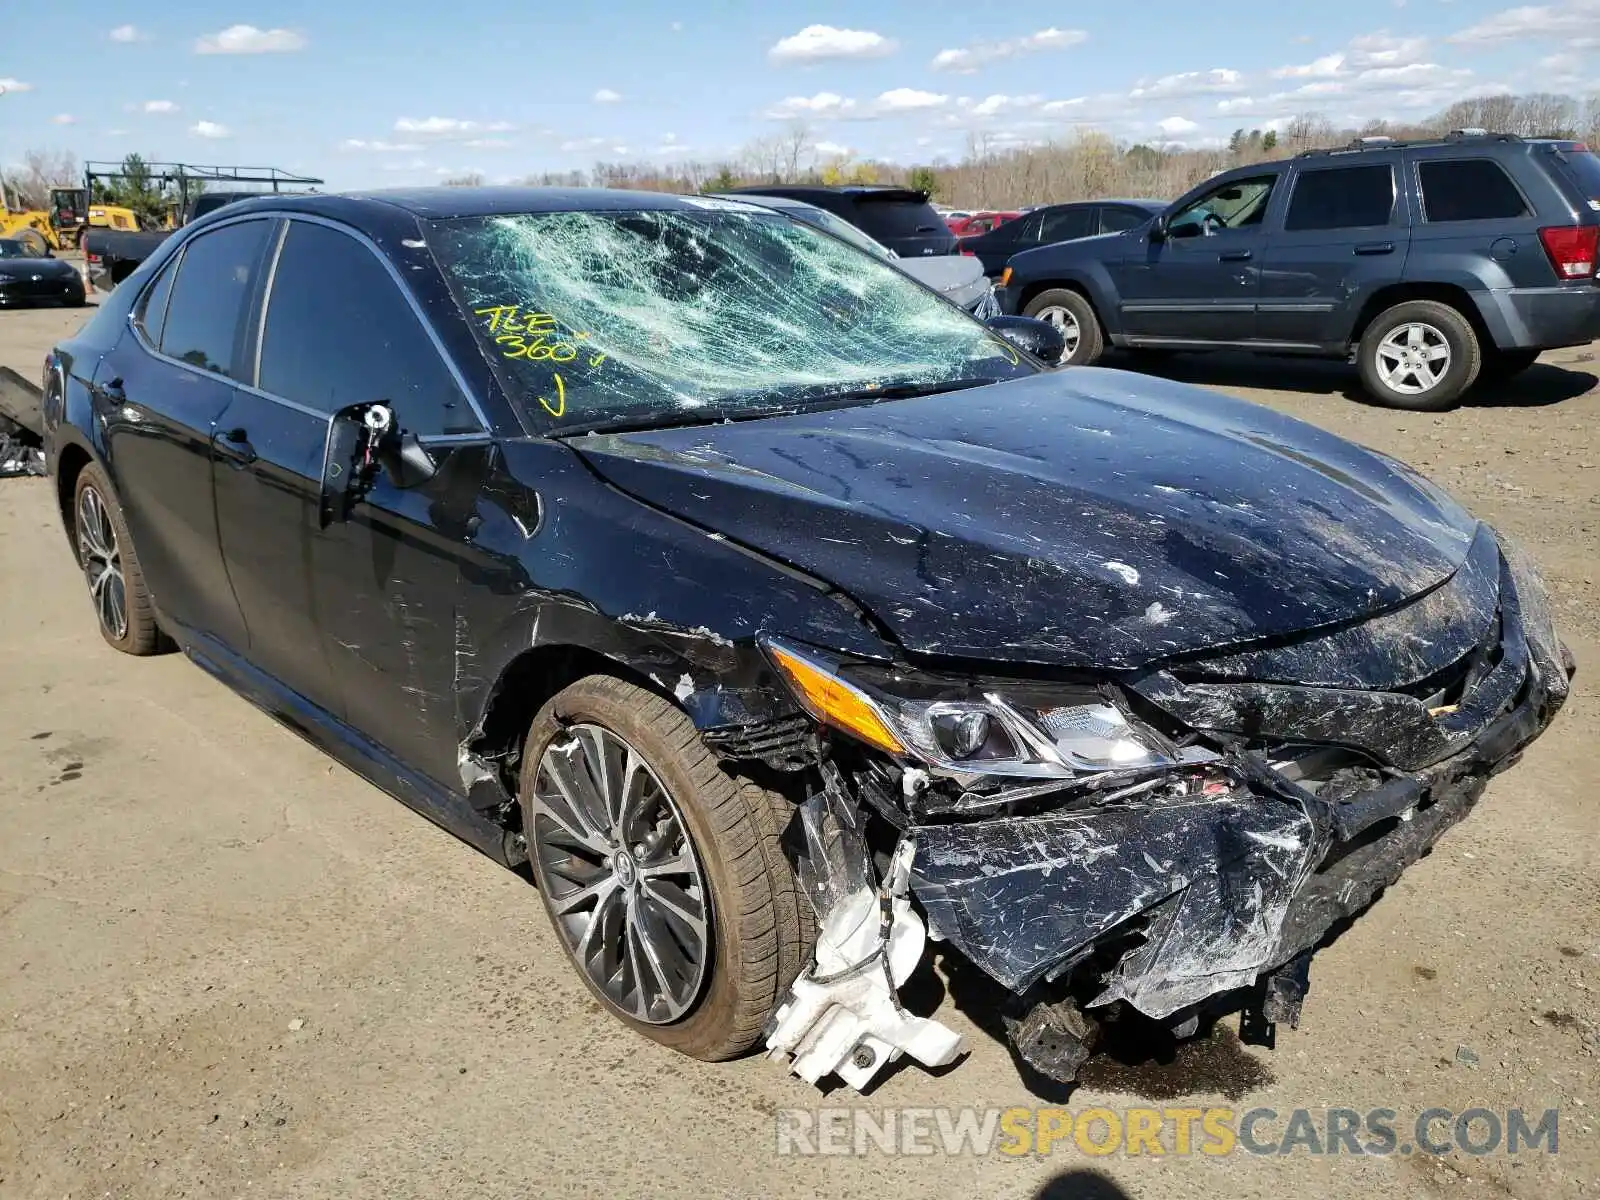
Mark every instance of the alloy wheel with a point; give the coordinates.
(613, 858)
(102, 563)
(1067, 323)
(1413, 358)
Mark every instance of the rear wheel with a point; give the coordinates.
(1419, 355)
(1074, 316)
(661, 872)
(111, 568)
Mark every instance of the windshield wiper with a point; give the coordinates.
(894, 391)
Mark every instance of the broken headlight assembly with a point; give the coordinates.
(1018, 729)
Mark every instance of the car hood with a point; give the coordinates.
(956, 277)
(49, 268)
(1078, 518)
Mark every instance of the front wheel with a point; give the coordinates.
(661, 871)
(1419, 355)
(1074, 316)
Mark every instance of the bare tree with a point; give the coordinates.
(798, 145)
(29, 184)
(465, 179)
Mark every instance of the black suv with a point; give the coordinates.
(901, 218)
(1428, 263)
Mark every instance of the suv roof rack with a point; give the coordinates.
(1384, 142)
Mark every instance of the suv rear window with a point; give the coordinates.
(1584, 167)
(1468, 189)
(897, 215)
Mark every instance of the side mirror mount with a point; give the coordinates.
(1158, 228)
(1039, 338)
(363, 440)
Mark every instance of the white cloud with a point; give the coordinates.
(1189, 83)
(822, 105)
(491, 143)
(209, 129)
(128, 33)
(446, 126)
(833, 150)
(910, 100)
(818, 43)
(1533, 20)
(380, 147)
(995, 105)
(607, 96)
(247, 39)
(969, 59)
(63, 119)
(1177, 125)
(14, 85)
(159, 106)
(1381, 49)
(619, 151)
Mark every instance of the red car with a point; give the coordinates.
(981, 222)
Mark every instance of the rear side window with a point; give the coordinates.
(209, 297)
(151, 315)
(1115, 220)
(1468, 189)
(1584, 168)
(339, 331)
(1342, 198)
(1067, 223)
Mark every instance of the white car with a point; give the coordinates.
(958, 278)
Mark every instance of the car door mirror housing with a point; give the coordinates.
(1039, 338)
(1158, 229)
(364, 439)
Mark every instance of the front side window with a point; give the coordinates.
(205, 314)
(1468, 189)
(1238, 204)
(1342, 198)
(670, 316)
(339, 332)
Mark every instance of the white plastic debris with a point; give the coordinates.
(843, 1016)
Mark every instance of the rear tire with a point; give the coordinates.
(1419, 355)
(122, 603)
(712, 851)
(1071, 312)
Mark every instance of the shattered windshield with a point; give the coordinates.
(608, 319)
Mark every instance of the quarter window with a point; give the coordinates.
(1468, 189)
(205, 314)
(1342, 198)
(339, 331)
(1067, 223)
(151, 314)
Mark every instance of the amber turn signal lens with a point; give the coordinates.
(1005, 277)
(834, 702)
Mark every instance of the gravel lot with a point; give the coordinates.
(229, 967)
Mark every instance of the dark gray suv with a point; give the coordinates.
(1429, 264)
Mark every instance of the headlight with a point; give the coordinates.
(1026, 730)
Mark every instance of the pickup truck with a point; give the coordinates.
(111, 255)
(1427, 264)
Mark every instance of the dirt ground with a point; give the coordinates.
(229, 967)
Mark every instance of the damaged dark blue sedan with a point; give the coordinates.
(780, 616)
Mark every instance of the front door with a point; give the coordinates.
(1199, 284)
(383, 584)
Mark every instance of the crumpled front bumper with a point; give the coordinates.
(1211, 893)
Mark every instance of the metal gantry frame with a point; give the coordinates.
(185, 174)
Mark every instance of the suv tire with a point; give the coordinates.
(1071, 312)
(1419, 355)
(681, 861)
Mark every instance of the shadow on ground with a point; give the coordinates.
(1544, 383)
(1080, 1185)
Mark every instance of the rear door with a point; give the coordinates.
(379, 589)
(161, 394)
(1345, 233)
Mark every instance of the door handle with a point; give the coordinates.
(1234, 256)
(234, 445)
(1375, 248)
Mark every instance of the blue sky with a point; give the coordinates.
(405, 92)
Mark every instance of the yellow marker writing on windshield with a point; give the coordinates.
(560, 406)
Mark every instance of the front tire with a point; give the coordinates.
(117, 589)
(1420, 355)
(1071, 312)
(660, 871)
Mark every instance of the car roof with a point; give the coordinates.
(445, 203)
